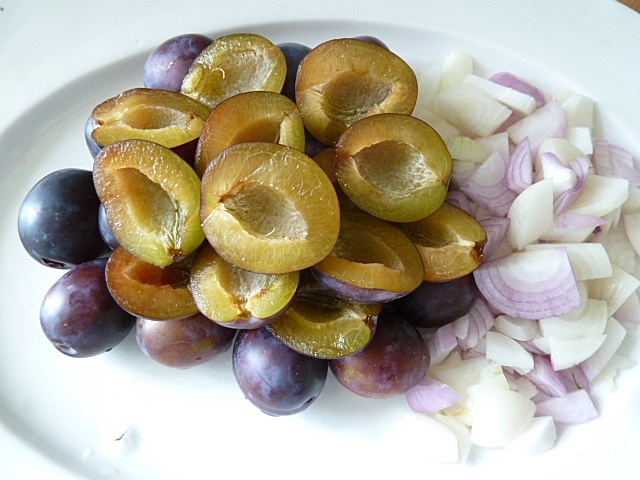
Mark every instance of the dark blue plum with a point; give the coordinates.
(373, 40)
(58, 219)
(167, 65)
(293, 54)
(433, 305)
(79, 316)
(273, 377)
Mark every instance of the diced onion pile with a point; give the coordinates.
(559, 281)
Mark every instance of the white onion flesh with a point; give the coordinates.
(558, 284)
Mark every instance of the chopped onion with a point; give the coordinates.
(488, 186)
(588, 260)
(470, 110)
(496, 229)
(455, 67)
(545, 378)
(547, 122)
(581, 138)
(575, 407)
(578, 110)
(568, 352)
(520, 167)
(565, 199)
(517, 101)
(539, 436)
(582, 322)
(593, 365)
(516, 328)
(507, 352)
(466, 149)
(615, 289)
(509, 80)
(531, 214)
(499, 417)
(601, 195)
(442, 343)
(530, 284)
(430, 396)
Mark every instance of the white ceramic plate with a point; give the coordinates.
(120, 415)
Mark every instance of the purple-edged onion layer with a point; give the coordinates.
(532, 284)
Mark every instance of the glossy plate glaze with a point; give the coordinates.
(122, 416)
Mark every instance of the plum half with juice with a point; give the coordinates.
(58, 220)
(273, 377)
(78, 314)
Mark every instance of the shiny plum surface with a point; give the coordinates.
(272, 376)
(79, 316)
(58, 220)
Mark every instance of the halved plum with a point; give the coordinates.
(269, 208)
(249, 117)
(151, 199)
(162, 116)
(394, 166)
(322, 325)
(148, 291)
(344, 80)
(238, 298)
(232, 64)
(373, 261)
(450, 242)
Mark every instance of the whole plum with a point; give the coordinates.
(394, 361)
(78, 314)
(273, 377)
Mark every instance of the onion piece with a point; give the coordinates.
(593, 365)
(517, 101)
(516, 328)
(575, 407)
(461, 432)
(568, 352)
(455, 67)
(539, 436)
(466, 149)
(498, 142)
(430, 396)
(545, 378)
(488, 186)
(565, 199)
(520, 167)
(614, 290)
(441, 343)
(589, 320)
(531, 214)
(601, 195)
(496, 229)
(470, 110)
(588, 260)
(578, 110)
(510, 80)
(581, 138)
(507, 352)
(499, 417)
(530, 284)
(547, 122)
